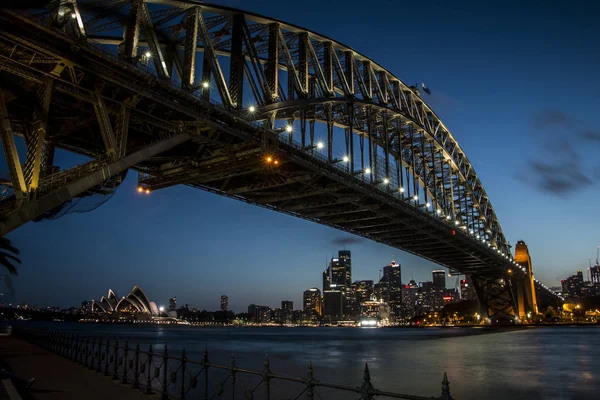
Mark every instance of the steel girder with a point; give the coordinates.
(408, 147)
(316, 66)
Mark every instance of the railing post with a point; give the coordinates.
(98, 365)
(205, 365)
(232, 372)
(136, 381)
(367, 387)
(148, 375)
(86, 349)
(116, 358)
(125, 363)
(77, 348)
(183, 361)
(267, 378)
(445, 389)
(165, 395)
(310, 394)
(106, 357)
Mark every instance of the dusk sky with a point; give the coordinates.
(518, 86)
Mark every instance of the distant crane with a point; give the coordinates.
(597, 256)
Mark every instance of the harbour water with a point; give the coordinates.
(528, 363)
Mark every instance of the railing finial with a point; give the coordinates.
(445, 388)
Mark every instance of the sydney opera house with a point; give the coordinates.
(135, 305)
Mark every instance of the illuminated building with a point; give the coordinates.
(425, 299)
(573, 286)
(259, 314)
(438, 289)
(287, 311)
(173, 304)
(375, 310)
(392, 294)
(338, 276)
(409, 299)
(467, 290)
(333, 304)
(312, 304)
(224, 303)
(135, 304)
(363, 290)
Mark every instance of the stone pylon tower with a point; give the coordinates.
(526, 295)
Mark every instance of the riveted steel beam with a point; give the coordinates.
(189, 53)
(10, 152)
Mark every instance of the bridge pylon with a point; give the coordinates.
(525, 287)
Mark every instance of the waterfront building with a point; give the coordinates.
(312, 304)
(425, 299)
(259, 314)
(338, 276)
(224, 303)
(409, 299)
(467, 290)
(573, 286)
(333, 305)
(373, 309)
(173, 304)
(438, 289)
(135, 305)
(363, 290)
(287, 311)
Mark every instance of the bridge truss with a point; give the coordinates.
(247, 107)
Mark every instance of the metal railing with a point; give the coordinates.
(178, 377)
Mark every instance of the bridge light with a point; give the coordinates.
(276, 162)
(73, 15)
(428, 205)
(148, 54)
(453, 232)
(251, 109)
(367, 171)
(269, 159)
(438, 211)
(205, 85)
(456, 223)
(147, 191)
(416, 197)
(510, 271)
(320, 145)
(386, 181)
(346, 159)
(447, 217)
(401, 190)
(140, 189)
(471, 231)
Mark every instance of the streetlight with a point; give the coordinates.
(73, 15)
(205, 85)
(346, 159)
(386, 181)
(148, 54)
(251, 109)
(367, 171)
(320, 145)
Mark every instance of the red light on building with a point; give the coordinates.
(447, 298)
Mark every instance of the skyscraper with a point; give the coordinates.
(224, 303)
(467, 290)
(333, 304)
(392, 293)
(338, 276)
(439, 289)
(287, 311)
(173, 304)
(363, 290)
(409, 299)
(312, 304)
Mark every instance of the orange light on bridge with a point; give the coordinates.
(510, 271)
(269, 159)
(140, 189)
(147, 191)
(275, 162)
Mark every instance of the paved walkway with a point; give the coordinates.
(59, 378)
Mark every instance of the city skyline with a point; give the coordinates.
(205, 244)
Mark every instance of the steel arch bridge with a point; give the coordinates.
(247, 107)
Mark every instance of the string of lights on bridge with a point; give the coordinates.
(320, 145)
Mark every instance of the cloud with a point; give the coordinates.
(346, 240)
(559, 168)
(593, 136)
(550, 118)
